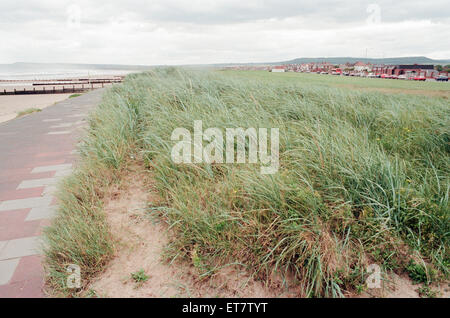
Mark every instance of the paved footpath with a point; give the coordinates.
(35, 151)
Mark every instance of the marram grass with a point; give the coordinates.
(363, 178)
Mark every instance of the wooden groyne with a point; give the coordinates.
(77, 82)
(59, 86)
(68, 79)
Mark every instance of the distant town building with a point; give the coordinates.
(278, 69)
(412, 70)
(362, 67)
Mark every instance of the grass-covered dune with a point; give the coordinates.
(363, 178)
(429, 88)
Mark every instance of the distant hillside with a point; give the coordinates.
(334, 60)
(390, 60)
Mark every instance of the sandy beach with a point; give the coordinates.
(10, 105)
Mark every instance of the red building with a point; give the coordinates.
(412, 70)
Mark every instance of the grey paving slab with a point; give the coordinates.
(60, 167)
(49, 190)
(2, 245)
(41, 213)
(27, 203)
(51, 119)
(7, 269)
(34, 183)
(63, 173)
(21, 247)
(59, 132)
(63, 125)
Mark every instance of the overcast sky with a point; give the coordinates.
(219, 31)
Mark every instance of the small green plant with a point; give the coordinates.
(74, 95)
(28, 111)
(92, 294)
(196, 258)
(360, 288)
(418, 273)
(427, 292)
(140, 276)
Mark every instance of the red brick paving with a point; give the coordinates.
(21, 193)
(30, 267)
(24, 145)
(13, 225)
(32, 288)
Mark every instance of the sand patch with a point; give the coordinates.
(140, 240)
(141, 236)
(396, 286)
(10, 105)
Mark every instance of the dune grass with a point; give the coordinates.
(79, 233)
(428, 87)
(28, 111)
(363, 178)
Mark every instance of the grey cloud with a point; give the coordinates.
(224, 12)
(240, 11)
(193, 31)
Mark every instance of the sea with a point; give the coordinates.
(36, 71)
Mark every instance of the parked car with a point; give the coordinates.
(323, 72)
(442, 78)
(401, 77)
(386, 76)
(346, 73)
(419, 78)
